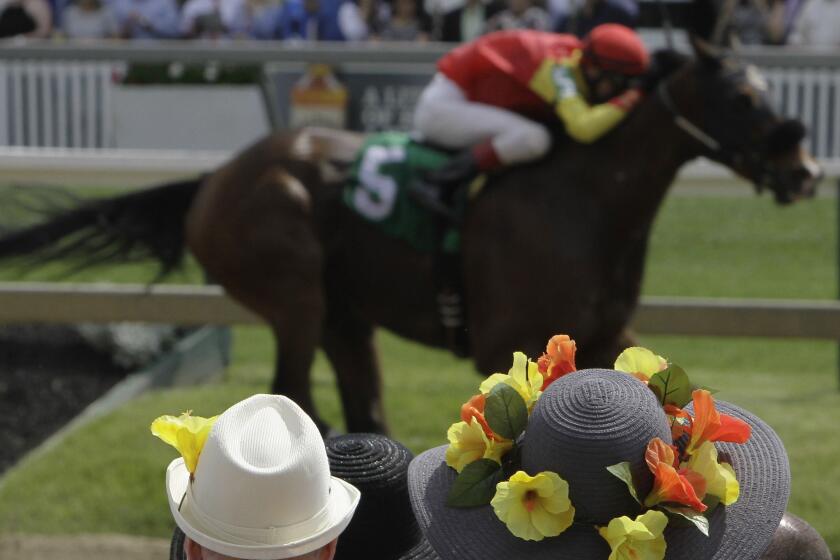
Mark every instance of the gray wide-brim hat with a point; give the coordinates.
(584, 422)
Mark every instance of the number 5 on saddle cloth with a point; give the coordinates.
(377, 189)
(388, 164)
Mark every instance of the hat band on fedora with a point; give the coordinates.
(255, 536)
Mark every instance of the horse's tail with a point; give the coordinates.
(142, 225)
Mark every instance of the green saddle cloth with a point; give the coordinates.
(377, 190)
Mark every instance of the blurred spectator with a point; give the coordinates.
(214, 19)
(363, 19)
(470, 21)
(754, 22)
(520, 14)
(818, 25)
(261, 18)
(309, 20)
(579, 17)
(146, 19)
(32, 18)
(407, 23)
(88, 19)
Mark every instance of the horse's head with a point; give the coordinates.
(729, 115)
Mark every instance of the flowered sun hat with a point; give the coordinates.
(552, 463)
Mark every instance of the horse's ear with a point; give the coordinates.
(705, 51)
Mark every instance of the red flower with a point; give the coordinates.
(669, 485)
(558, 359)
(710, 425)
(474, 408)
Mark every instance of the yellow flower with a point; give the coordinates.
(186, 433)
(468, 443)
(534, 507)
(640, 539)
(720, 477)
(524, 376)
(640, 362)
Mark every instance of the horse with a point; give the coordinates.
(556, 246)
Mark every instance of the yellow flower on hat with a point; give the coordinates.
(641, 539)
(720, 477)
(640, 362)
(468, 442)
(534, 507)
(524, 376)
(186, 433)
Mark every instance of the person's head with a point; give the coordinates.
(261, 488)
(518, 7)
(612, 56)
(405, 9)
(89, 5)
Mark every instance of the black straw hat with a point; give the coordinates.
(384, 521)
(583, 423)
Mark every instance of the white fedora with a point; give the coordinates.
(262, 489)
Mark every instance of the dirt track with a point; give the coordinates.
(83, 547)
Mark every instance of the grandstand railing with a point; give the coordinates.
(59, 95)
(56, 104)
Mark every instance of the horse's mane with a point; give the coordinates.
(663, 63)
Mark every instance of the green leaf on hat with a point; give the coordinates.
(475, 485)
(694, 517)
(505, 411)
(622, 472)
(671, 386)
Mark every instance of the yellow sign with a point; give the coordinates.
(318, 98)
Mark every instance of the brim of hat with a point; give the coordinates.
(342, 503)
(741, 531)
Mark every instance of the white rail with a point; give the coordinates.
(57, 104)
(199, 305)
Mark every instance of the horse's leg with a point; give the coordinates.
(348, 343)
(260, 244)
(295, 344)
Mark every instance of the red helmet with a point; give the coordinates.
(615, 48)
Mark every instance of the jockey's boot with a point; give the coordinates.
(436, 190)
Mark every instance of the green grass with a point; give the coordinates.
(108, 476)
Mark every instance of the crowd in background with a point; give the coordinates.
(768, 22)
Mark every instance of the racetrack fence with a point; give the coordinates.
(61, 95)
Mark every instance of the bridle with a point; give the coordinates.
(683, 123)
(753, 160)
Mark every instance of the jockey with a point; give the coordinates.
(490, 96)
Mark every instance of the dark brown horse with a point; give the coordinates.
(557, 246)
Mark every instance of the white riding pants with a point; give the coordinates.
(446, 117)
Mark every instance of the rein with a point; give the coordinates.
(764, 169)
(686, 125)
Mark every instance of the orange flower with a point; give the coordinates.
(709, 425)
(679, 419)
(474, 408)
(558, 359)
(669, 485)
